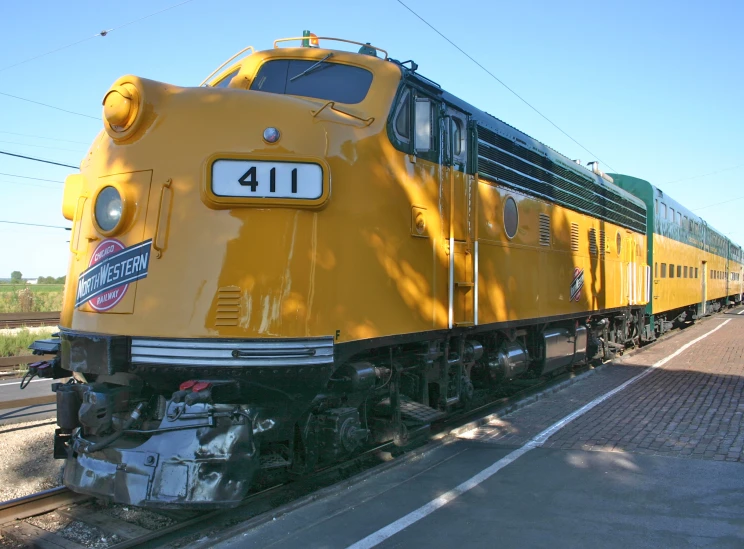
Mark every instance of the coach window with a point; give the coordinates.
(656, 270)
(663, 270)
(684, 272)
(671, 270)
(671, 214)
(656, 202)
(696, 272)
(679, 218)
(679, 271)
(663, 210)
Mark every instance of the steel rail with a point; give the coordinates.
(20, 320)
(38, 503)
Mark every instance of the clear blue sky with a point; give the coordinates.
(654, 89)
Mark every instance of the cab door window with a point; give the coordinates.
(458, 140)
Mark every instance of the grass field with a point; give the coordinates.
(35, 288)
(17, 343)
(30, 299)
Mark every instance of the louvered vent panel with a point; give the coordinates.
(602, 243)
(518, 167)
(575, 237)
(593, 241)
(544, 230)
(228, 306)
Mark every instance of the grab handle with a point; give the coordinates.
(76, 220)
(161, 231)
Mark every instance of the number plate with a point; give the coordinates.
(259, 179)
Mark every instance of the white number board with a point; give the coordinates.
(259, 179)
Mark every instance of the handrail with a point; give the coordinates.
(218, 69)
(276, 42)
(332, 105)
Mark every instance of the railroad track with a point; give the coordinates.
(28, 320)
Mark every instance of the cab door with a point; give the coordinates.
(457, 191)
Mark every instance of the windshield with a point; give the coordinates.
(321, 79)
(225, 82)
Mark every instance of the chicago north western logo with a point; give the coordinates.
(111, 270)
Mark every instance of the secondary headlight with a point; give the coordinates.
(122, 110)
(108, 209)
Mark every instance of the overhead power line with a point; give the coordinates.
(25, 185)
(39, 160)
(40, 146)
(522, 99)
(34, 178)
(102, 33)
(718, 203)
(47, 138)
(49, 106)
(705, 174)
(35, 225)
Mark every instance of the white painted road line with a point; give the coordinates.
(414, 516)
(18, 382)
(740, 312)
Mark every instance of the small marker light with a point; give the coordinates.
(310, 40)
(271, 135)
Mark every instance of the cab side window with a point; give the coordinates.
(413, 124)
(424, 125)
(403, 118)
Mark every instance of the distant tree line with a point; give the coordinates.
(51, 280)
(16, 277)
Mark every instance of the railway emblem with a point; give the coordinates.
(111, 270)
(577, 284)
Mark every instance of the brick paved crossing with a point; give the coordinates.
(692, 407)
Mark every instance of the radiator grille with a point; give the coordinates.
(602, 243)
(517, 167)
(575, 237)
(544, 230)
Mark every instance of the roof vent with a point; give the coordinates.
(594, 166)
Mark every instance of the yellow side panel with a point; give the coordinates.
(531, 275)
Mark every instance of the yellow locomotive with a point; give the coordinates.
(317, 251)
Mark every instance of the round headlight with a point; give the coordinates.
(117, 108)
(108, 208)
(122, 110)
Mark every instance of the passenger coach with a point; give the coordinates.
(696, 270)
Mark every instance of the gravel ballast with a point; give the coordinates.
(28, 465)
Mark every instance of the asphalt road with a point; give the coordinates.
(37, 389)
